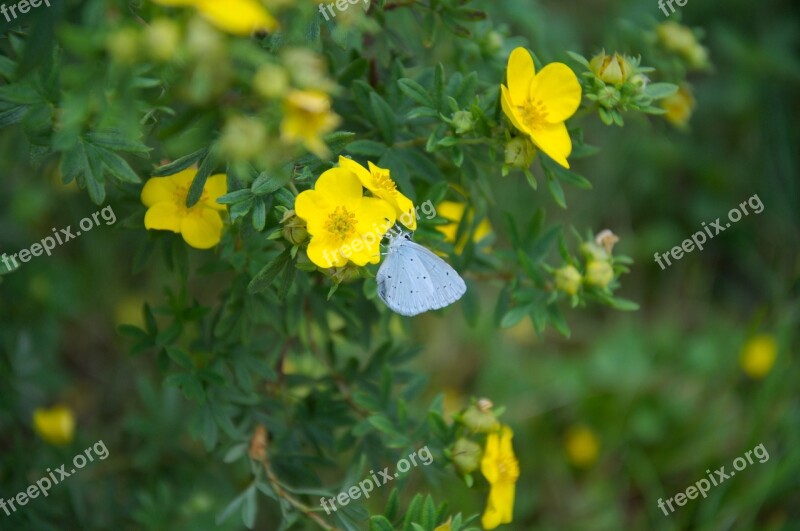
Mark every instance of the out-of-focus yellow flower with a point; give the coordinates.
(679, 106)
(379, 182)
(238, 17)
(539, 104)
(308, 116)
(613, 69)
(758, 356)
(682, 40)
(55, 425)
(599, 273)
(454, 211)
(568, 280)
(343, 224)
(165, 197)
(243, 138)
(582, 446)
(501, 469)
(162, 38)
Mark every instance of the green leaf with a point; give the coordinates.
(199, 182)
(415, 91)
(367, 148)
(13, 115)
(657, 91)
(259, 214)
(382, 424)
(180, 357)
(380, 523)
(514, 316)
(624, 305)
(384, 117)
(180, 164)
(93, 174)
(557, 192)
(237, 196)
(264, 278)
(115, 140)
(266, 184)
(118, 167)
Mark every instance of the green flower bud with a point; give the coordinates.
(519, 153)
(614, 69)
(593, 251)
(494, 43)
(466, 455)
(599, 273)
(463, 122)
(568, 280)
(479, 420)
(609, 97)
(294, 228)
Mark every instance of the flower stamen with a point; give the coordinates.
(341, 223)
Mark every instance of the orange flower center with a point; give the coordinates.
(533, 114)
(382, 181)
(507, 468)
(341, 223)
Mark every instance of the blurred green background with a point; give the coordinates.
(632, 408)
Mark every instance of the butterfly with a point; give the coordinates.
(413, 280)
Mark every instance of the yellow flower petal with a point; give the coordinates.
(183, 178)
(339, 186)
(216, 186)
(324, 252)
(358, 170)
(557, 87)
(374, 216)
(164, 216)
(499, 506)
(202, 228)
(313, 208)
(239, 17)
(520, 74)
(157, 190)
(510, 110)
(405, 211)
(554, 140)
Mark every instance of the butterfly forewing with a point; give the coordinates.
(413, 280)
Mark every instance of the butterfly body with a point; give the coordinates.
(413, 280)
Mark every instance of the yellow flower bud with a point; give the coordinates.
(271, 81)
(680, 39)
(599, 273)
(55, 426)
(519, 152)
(466, 455)
(203, 41)
(758, 356)
(593, 251)
(614, 69)
(581, 446)
(568, 280)
(162, 38)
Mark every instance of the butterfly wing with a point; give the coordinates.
(413, 280)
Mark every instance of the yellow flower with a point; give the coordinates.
(55, 426)
(343, 224)
(539, 104)
(501, 469)
(239, 17)
(758, 356)
(454, 212)
(581, 445)
(679, 106)
(682, 40)
(378, 181)
(308, 116)
(165, 197)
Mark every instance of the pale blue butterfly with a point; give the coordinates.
(413, 280)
